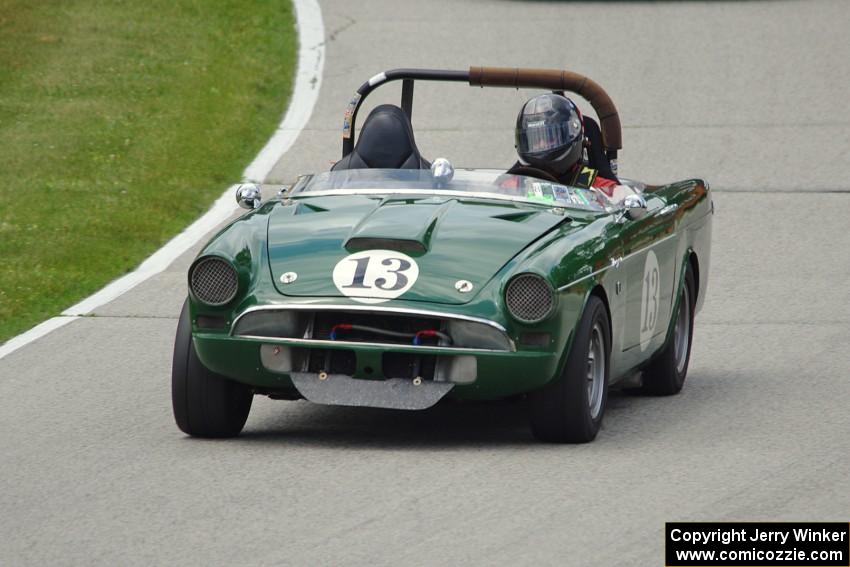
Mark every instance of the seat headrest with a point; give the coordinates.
(386, 141)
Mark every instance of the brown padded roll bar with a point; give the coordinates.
(554, 79)
(549, 79)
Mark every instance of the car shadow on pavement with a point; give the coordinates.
(448, 425)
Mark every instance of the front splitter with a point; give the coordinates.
(393, 393)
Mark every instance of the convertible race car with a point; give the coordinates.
(392, 282)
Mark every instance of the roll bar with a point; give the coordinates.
(551, 79)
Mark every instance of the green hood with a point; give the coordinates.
(449, 238)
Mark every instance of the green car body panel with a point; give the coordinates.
(483, 241)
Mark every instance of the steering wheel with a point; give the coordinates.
(533, 172)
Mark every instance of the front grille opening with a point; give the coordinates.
(273, 323)
(409, 365)
(386, 329)
(332, 361)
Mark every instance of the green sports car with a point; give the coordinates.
(392, 282)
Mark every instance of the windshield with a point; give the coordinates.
(480, 183)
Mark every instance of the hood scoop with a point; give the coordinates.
(307, 208)
(413, 247)
(518, 216)
(403, 225)
(521, 216)
(448, 239)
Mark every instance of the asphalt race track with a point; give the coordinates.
(751, 96)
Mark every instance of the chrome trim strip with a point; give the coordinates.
(368, 308)
(444, 193)
(581, 279)
(616, 262)
(447, 350)
(400, 310)
(656, 243)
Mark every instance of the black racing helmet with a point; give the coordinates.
(549, 133)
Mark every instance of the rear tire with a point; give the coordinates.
(205, 404)
(666, 374)
(570, 408)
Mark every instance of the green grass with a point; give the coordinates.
(120, 122)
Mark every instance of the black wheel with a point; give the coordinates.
(666, 374)
(205, 404)
(570, 408)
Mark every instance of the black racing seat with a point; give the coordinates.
(596, 157)
(386, 142)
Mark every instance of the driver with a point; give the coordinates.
(550, 137)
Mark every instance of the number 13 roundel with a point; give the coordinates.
(375, 276)
(649, 299)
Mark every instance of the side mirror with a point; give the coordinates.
(442, 171)
(248, 196)
(634, 206)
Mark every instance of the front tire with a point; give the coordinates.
(570, 408)
(205, 404)
(666, 374)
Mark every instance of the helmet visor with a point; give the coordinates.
(537, 135)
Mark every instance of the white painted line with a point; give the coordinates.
(308, 80)
(36, 332)
(305, 92)
(221, 210)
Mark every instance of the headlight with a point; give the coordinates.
(529, 298)
(213, 281)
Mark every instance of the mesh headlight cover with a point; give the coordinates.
(214, 281)
(529, 298)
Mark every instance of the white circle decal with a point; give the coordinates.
(649, 298)
(375, 276)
